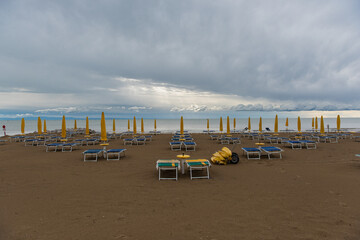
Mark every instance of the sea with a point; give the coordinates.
(13, 127)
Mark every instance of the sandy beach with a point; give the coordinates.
(309, 194)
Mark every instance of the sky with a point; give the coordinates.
(166, 58)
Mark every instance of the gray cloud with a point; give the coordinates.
(275, 50)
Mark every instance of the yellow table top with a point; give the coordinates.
(260, 144)
(182, 139)
(276, 134)
(63, 140)
(104, 144)
(182, 156)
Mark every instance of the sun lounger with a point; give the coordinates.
(224, 140)
(175, 146)
(16, 139)
(92, 153)
(140, 141)
(115, 152)
(32, 142)
(309, 144)
(92, 141)
(129, 141)
(270, 151)
(198, 164)
(214, 137)
(53, 146)
(252, 151)
(189, 146)
(295, 144)
(68, 147)
(148, 138)
(272, 140)
(82, 142)
(168, 165)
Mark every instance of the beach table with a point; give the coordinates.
(183, 157)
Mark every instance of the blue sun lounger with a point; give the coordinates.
(198, 164)
(252, 151)
(189, 146)
(53, 146)
(32, 142)
(168, 165)
(92, 153)
(115, 152)
(270, 151)
(175, 146)
(68, 147)
(309, 144)
(295, 144)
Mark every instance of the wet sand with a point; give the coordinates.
(309, 194)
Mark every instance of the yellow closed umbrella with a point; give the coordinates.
(75, 125)
(128, 125)
(249, 124)
(39, 126)
(63, 128)
(221, 125)
(313, 123)
(45, 130)
(322, 127)
(316, 124)
(234, 124)
(134, 125)
(287, 123)
(227, 125)
(114, 128)
(208, 124)
(87, 131)
(181, 125)
(260, 125)
(22, 126)
(155, 125)
(299, 124)
(276, 125)
(103, 136)
(338, 122)
(142, 126)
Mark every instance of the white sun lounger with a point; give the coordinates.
(198, 164)
(92, 153)
(189, 146)
(270, 151)
(252, 151)
(115, 152)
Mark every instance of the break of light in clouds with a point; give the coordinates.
(179, 56)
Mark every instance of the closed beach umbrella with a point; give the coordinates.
(338, 121)
(322, 127)
(276, 127)
(221, 125)
(134, 125)
(103, 136)
(63, 128)
(114, 125)
(39, 126)
(22, 126)
(249, 124)
(45, 131)
(316, 124)
(260, 125)
(155, 124)
(142, 126)
(75, 125)
(207, 124)
(181, 125)
(228, 125)
(299, 124)
(87, 131)
(287, 123)
(313, 123)
(128, 125)
(234, 124)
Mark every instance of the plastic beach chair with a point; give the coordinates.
(309, 144)
(91, 153)
(53, 146)
(68, 147)
(175, 146)
(295, 144)
(271, 151)
(252, 151)
(198, 164)
(168, 165)
(116, 152)
(189, 146)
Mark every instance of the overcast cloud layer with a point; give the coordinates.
(198, 55)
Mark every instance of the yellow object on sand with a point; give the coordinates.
(103, 136)
(338, 122)
(182, 125)
(22, 126)
(39, 126)
(322, 127)
(134, 125)
(260, 125)
(228, 125)
(249, 124)
(87, 131)
(45, 130)
(299, 124)
(222, 156)
(63, 128)
(221, 125)
(276, 125)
